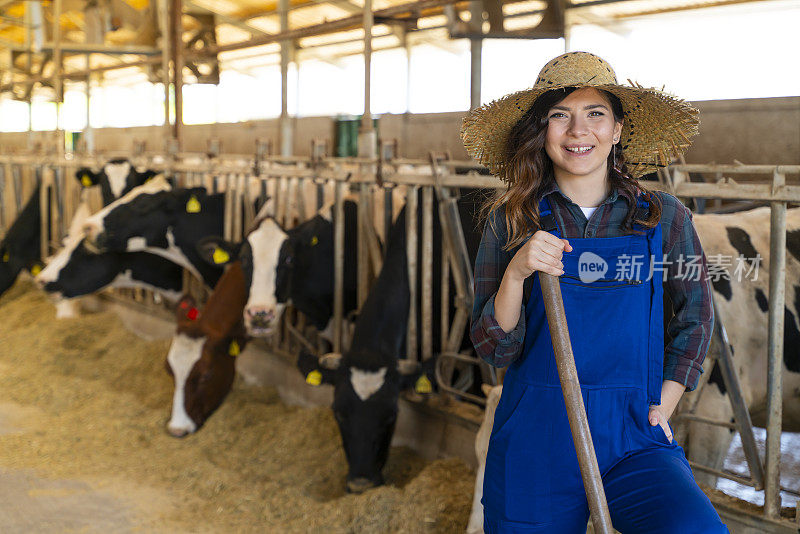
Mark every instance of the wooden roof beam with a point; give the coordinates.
(226, 19)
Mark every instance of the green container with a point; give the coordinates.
(346, 134)
(71, 141)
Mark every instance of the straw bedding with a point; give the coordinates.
(102, 399)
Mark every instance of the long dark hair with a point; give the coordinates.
(530, 172)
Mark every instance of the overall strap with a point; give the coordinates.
(547, 223)
(546, 217)
(642, 211)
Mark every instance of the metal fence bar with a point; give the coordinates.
(44, 215)
(338, 266)
(706, 420)
(777, 281)
(445, 295)
(741, 414)
(426, 297)
(411, 258)
(363, 246)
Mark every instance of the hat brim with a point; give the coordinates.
(657, 127)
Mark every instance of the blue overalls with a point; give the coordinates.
(533, 482)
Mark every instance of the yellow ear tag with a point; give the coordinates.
(86, 181)
(234, 350)
(314, 378)
(6, 257)
(36, 269)
(314, 241)
(193, 205)
(220, 256)
(423, 385)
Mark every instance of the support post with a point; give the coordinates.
(176, 42)
(367, 137)
(777, 286)
(476, 51)
(285, 124)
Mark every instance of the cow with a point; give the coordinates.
(21, 247)
(202, 356)
(743, 307)
(291, 266)
(116, 178)
(74, 271)
(158, 219)
(369, 376)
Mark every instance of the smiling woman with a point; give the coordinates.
(576, 139)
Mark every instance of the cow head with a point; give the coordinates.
(203, 352)
(281, 266)
(365, 407)
(203, 367)
(9, 268)
(137, 220)
(76, 271)
(116, 178)
(11, 264)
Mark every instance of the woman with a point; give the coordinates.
(571, 149)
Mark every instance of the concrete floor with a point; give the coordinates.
(32, 504)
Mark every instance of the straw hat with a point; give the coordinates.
(657, 126)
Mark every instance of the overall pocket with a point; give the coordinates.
(643, 434)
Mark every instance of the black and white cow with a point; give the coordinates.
(116, 178)
(743, 307)
(292, 266)
(21, 247)
(75, 271)
(158, 219)
(368, 378)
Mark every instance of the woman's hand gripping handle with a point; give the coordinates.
(542, 252)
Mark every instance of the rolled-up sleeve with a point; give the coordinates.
(689, 288)
(494, 345)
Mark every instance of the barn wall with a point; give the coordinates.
(753, 131)
(760, 130)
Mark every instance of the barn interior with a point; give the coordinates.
(290, 107)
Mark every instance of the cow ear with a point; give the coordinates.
(86, 177)
(313, 371)
(414, 376)
(216, 251)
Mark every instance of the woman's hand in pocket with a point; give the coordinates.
(656, 417)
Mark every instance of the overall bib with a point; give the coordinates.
(615, 319)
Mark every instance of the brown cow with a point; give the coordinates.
(203, 352)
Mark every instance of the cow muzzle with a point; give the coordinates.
(178, 432)
(259, 320)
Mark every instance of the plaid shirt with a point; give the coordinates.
(689, 331)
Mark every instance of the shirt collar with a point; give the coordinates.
(553, 187)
